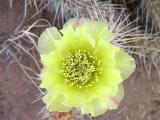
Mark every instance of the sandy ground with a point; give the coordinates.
(17, 93)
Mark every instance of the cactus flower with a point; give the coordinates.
(82, 69)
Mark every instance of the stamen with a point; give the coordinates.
(81, 69)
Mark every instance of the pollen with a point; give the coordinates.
(80, 69)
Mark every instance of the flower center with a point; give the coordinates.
(80, 69)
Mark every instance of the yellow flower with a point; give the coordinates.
(82, 68)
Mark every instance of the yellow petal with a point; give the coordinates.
(55, 103)
(97, 29)
(47, 40)
(95, 107)
(125, 63)
(114, 101)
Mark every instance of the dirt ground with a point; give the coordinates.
(17, 93)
